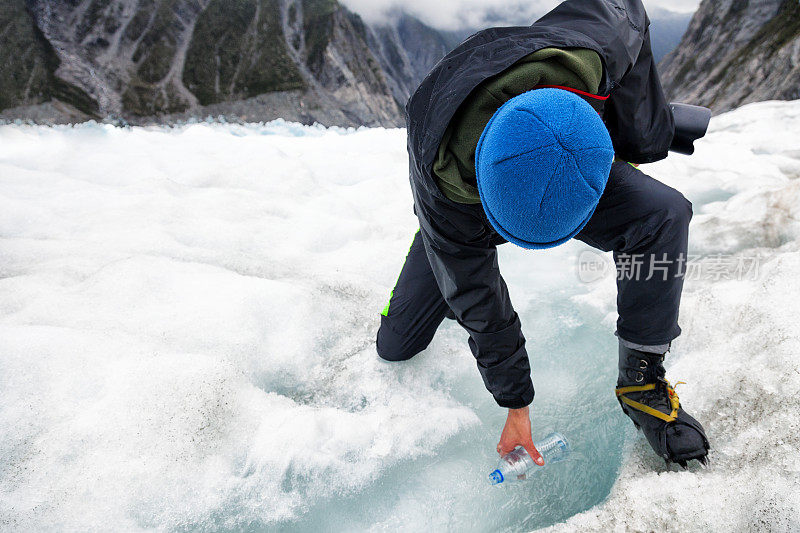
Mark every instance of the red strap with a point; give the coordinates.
(576, 91)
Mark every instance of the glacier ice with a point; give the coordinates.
(187, 319)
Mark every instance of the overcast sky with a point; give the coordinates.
(459, 14)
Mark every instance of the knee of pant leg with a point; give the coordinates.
(672, 222)
(660, 217)
(670, 206)
(682, 207)
(393, 354)
(392, 347)
(679, 209)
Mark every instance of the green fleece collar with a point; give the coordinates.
(454, 167)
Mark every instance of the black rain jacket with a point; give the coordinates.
(459, 240)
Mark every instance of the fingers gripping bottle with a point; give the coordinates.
(515, 465)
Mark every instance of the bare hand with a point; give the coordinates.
(517, 432)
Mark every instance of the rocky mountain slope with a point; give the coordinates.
(143, 61)
(407, 49)
(28, 63)
(736, 52)
(304, 60)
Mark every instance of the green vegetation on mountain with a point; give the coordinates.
(363, 63)
(157, 48)
(318, 24)
(146, 58)
(91, 17)
(233, 55)
(782, 28)
(25, 57)
(138, 24)
(29, 64)
(155, 29)
(143, 99)
(734, 53)
(770, 38)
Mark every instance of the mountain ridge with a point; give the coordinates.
(736, 52)
(304, 60)
(167, 61)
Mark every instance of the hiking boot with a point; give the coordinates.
(651, 403)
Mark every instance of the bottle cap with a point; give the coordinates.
(496, 477)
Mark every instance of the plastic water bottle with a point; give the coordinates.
(515, 465)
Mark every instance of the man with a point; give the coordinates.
(506, 143)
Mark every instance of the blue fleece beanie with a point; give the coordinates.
(542, 164)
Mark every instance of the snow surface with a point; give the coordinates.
(187, 321)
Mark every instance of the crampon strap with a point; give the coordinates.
(673, 400)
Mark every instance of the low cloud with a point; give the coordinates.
(461, 14)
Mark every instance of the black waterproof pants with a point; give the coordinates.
(644, 222)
